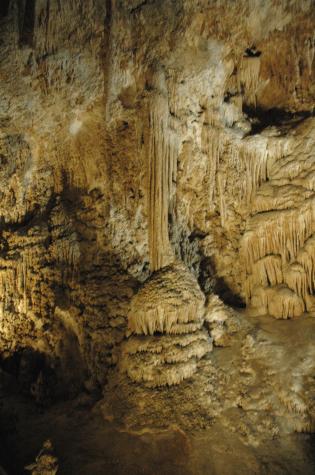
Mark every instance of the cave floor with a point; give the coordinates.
(87, 444)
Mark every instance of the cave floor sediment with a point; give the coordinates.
(86, 443)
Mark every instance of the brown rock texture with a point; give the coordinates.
(157, 167)
(135, 131)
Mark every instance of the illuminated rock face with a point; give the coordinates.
(138, 134)
(278, 243)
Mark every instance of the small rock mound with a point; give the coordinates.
(46, 462)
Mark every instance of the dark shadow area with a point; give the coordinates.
(210, 282)
(4, 8)
(25, 374)
(307, 441)
(263, 118)
(252, 52)
(34, 375)
(187, 248)
(31, 385)
(27, 23)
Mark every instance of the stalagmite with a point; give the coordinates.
(157, 214)
(164, 360)
(170, 302)
(171, 305)
(171, 296)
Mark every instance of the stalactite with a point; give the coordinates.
(277, 245)
(248, 77)
(307, 180)
(278, 232)
(25, 267)
(266, 271)
(251, 158)
(221, 180)
(283, 303)
(306, 258)
(296, 279)
(256, 171)
(270, 197)
(256, 157)
(163, 151)
(310, 54)
(213, 146)
(279, 302)
(67, 252)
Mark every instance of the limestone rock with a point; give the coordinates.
(165, 359)
(168, 313)
(169, 301)
(222, 322)
(156, 167)
(120, 152)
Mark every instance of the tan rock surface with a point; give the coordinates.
(157, 167)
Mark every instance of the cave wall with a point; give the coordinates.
(115, 115)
